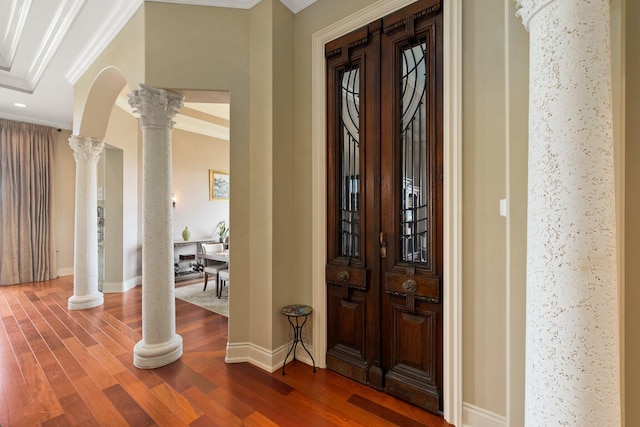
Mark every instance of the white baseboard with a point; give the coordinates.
(132, 283)
(474, 416)
(119, 287)
(107, 287)
(265, 359)
(65, 271)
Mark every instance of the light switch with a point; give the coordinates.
(503, 207)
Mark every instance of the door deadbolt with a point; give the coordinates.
(383, 246)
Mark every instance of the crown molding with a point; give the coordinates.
(119, 18)
(17, 16)
(294, 6)
(109, 30)
(30, 119)
(236, 4)
(64, 16)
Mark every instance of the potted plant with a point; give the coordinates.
(222, 230)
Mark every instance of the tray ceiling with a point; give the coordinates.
(46, 45)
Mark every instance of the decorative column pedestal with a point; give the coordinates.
(160, 345)
(572, 329)
(86, 151)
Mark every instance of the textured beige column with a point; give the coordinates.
(572, 366)
(160, 345)
(86, 151)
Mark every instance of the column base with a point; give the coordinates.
(149, 356)
(81, 302)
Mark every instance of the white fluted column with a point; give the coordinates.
(572, 366)
(160, 345)
(86, 151)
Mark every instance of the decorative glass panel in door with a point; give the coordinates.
(349, 195)
(414, 155)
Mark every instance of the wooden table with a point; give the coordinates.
(216, 256)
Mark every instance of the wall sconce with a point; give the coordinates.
(173, 200)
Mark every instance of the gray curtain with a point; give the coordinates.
(27, 217)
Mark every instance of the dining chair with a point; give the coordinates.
(223, 280)
(212, 267)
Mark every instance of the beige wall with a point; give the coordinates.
(484, 184)
(65, 191)
(261, 191)
(122, 202)
(632, 214)
(193, 156)
(126, 52)
(516, 145)
(272, 143)
(114, 220)
(199, 60)
(259, 40)
(285, 286)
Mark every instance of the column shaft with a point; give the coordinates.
(86, 152)
(572, 341)
(160, 345)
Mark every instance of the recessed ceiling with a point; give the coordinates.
(205, 118)
(46, 45)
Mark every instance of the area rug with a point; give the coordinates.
(207, 299)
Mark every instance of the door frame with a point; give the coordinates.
(452, 132)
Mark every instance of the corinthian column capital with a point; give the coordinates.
(86, 147)
(157, 107)
(526, 9)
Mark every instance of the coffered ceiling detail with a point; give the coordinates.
(46, 45)
(38, 32)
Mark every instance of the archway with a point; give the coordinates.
(117, 273)
(102, 96)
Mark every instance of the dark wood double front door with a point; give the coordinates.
(384, 201)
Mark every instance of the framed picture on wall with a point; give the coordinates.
(218, 185)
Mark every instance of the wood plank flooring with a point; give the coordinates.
(75, 368)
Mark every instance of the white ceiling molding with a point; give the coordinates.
(13, 24)
(296, 6)
(65, 15)
(35, 120)
(216, 109)
(201, 127)
(293, 5)
(123, 104)
(107, 32)
(26, 78)
(47, 45)
(236, 4)
(119, 18)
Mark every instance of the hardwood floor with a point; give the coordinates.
(68, 368)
